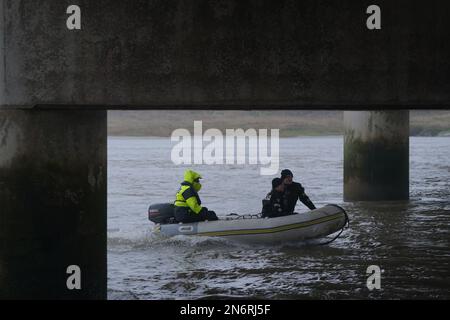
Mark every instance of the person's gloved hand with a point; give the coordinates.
(204, 211)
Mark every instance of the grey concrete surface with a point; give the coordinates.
(52, 203)
(376, 155)
(224, 53)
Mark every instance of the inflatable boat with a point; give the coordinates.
(313, 224)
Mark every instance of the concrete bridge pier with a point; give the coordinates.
(376, 155)
(52, 204)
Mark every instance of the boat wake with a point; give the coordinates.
(145, 240)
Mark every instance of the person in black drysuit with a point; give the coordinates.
(275, 202)
(294, 191)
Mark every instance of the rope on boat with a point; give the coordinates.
(346, 223)
(235, 216)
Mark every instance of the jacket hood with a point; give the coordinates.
(190, 176)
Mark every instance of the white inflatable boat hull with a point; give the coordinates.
(297, 227)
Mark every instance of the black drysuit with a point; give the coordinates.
(292, 193)
(274, 204)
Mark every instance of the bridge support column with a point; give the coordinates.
(376, 155)
(52, 204)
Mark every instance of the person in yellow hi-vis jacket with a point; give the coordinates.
(188, 206)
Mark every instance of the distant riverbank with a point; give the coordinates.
(291, 123)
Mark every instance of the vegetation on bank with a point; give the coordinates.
(291, 123)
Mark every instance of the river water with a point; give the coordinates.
(409, 241)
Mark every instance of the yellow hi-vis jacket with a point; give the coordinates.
(187, 195)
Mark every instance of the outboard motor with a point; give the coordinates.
(162, 213)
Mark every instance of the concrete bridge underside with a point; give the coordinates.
(56, 86)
